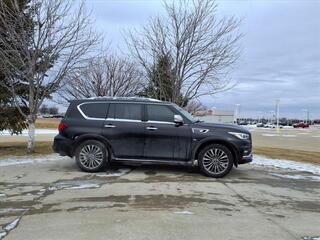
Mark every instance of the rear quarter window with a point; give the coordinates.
(93, 110)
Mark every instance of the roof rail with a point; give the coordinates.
(126, 98)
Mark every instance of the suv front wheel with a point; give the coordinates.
(91, 156)
(215, 160)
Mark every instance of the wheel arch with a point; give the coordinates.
(80, 139)
(233, 149)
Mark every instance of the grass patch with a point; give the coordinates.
(289, 154)
(20, 148)
(51, 123)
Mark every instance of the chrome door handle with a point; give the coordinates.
(152, 128)
(109, 126)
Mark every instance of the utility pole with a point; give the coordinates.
(277, 109)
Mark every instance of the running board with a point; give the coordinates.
(153, 161)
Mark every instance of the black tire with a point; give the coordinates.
(212, 163)
(91, 156)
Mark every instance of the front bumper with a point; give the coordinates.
(245, 152)
(246, 159)
(62, 145)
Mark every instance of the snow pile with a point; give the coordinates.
(286, 164)
(74, 185)
(115, 173)
(278, 135)
(39, 131)
(10, 226)
(297, 176)
(11, 210)
(2, 234)
(83, 186)
(184, 213)
(30, 159)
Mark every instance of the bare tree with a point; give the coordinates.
(203, 47)
(105, 76)
(57, 39)
(195, 106)
(44, 109)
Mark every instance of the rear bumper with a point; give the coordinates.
(62, 145)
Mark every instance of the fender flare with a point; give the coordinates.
(210, 140)
(91, 136)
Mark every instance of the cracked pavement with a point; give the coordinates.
(55, 200)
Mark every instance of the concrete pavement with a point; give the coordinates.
(54, 200)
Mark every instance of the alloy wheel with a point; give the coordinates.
(215, 161)
(91, 156)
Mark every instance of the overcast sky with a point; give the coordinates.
(281, 51)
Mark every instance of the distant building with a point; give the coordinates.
(215, 116)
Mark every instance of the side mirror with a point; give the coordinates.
(178, 120)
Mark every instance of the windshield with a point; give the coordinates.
(186, 114)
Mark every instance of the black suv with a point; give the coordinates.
(98, 131)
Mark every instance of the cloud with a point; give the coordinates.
(281, 50)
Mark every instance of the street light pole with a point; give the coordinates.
(236, 112)
(307, 115)
(277, 109)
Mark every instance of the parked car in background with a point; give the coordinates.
(99, 131)
(272, 126)
(301, 125)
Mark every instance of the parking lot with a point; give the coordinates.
(52, 199)
(307, 139)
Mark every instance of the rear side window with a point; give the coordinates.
(160, 113)
(126, 111)
(94, 110)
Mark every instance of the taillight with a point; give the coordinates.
(62, 126)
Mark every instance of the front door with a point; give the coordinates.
(164, 140)
(124, 129)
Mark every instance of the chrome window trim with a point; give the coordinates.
(104, 119)
(161, 122)
(122, 120)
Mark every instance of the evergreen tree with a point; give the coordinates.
(162, 82)
(10, 117)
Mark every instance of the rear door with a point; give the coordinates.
(164, 140)
(124, 129)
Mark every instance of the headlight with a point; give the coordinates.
(243, 136)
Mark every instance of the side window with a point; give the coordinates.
(94, 110)
(160, 113)
(125, 111)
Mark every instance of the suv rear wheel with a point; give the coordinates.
(215, 160)
(91, 156)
